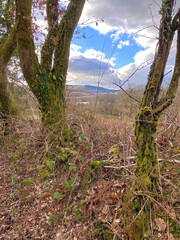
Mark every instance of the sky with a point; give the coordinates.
(115, 42)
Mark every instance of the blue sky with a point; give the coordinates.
(122, 44)
(104, 43)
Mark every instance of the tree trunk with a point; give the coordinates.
(146, 169)
(7, 102)
(48, 82)
(151, 107)
(53, 108)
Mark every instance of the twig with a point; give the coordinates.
(170, 215)
(141, 209)
(140, 67)
(127, 93)
(177, 125)
(125, 167)
(154, 23)
(168, 181)
(167, 73)
(113, 167)
(169, 160)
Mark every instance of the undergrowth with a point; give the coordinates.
(79, 193)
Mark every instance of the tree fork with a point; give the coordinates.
(46, 82)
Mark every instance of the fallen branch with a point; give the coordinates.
(133, 165)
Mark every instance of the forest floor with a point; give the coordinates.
(78, 195)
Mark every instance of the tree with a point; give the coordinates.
(47, 79)
(6, 19)
(151, 107)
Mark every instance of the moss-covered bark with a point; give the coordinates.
(47, 82)
(150, 110)
(52, 96)
(26, 49)
(7, 102)
(151, 106)
(146, 169)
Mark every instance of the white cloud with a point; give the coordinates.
(123, 43)
(140, 20)
(125, 16)
(144, 56)
(74, 47)
(91, 67)
(91, 53)
(136, 18)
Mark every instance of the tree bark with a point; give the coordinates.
(151, 107)
(7, 102)
(47, 82)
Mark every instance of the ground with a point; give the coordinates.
(40, 202)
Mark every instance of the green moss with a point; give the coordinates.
(43, 174)
(50, 93)
(146, 180)
(134, 215)
(55, 120)
(107, 235)
(85, 179)
(95, 165)
(26, 49)
(141, 226)
(90, 173)
(7, 103)
(145, 128)
(146, 173)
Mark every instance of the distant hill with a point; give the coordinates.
(87, 90)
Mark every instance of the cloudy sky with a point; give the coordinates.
(115, 41)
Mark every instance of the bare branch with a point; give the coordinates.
(140, 67)
(127, 93)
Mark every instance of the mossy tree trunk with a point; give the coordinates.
(48, 82)
(150, 110)
(8, 106)
(7, 102)
(152, 105)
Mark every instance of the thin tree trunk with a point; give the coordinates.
(152, 105)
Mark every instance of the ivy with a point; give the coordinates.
(41, 88)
